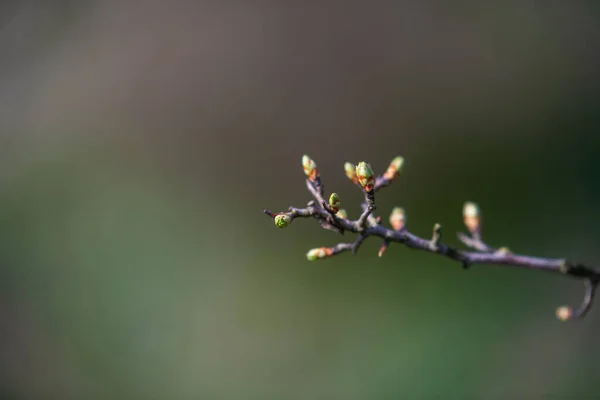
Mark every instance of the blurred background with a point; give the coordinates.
(140, 142)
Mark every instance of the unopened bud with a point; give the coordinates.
(318, 253)
(436, 237)
(365, 176)
(471, 217)
(564, 313)
(342, 214)
(394, 168)
(351, 172)
(282, 220)
(382, 250)
(334, 202)
(397, 218)
(503, 251)
(310, 168)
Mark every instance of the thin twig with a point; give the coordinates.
(482, 253)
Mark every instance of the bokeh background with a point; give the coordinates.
(140, 142)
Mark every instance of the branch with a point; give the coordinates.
(331, 217)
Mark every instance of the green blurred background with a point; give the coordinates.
(141, 140)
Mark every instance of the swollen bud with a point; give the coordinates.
(365, 176)
(282, 220)
(342, 214)
(394, 168)
(334, 202)
(472, 217)
(318, 253)
(310, 168)
(397, 218)
(351, 172)
(564, 313)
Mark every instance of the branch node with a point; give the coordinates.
(565, 267)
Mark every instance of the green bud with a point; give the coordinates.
(394, 168)
(316, 254)
(282, 220)
(365, 176)
(397, 162)
(351, 172)
(310, 167)
(470, 210)
(334, 202)
(342, 214)
(397, 218)
(472, 217)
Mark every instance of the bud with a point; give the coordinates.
(564, 313)
(436, 237)
(394, 168)
(334, 202)
(471, 217)
(342, 214)
(282, 220)
(310, 168)
(351, 172)
(318, 253)
(503, 251)
(397, 218)
(365, 176)
(382, 250)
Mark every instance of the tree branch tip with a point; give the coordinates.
(310, 168)
(397, 218)
(366, 176)
(350, 170)
(394, 168)
(436, 237)
(319, 253)
(472, 217)
(564, 313)
(269, 213)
